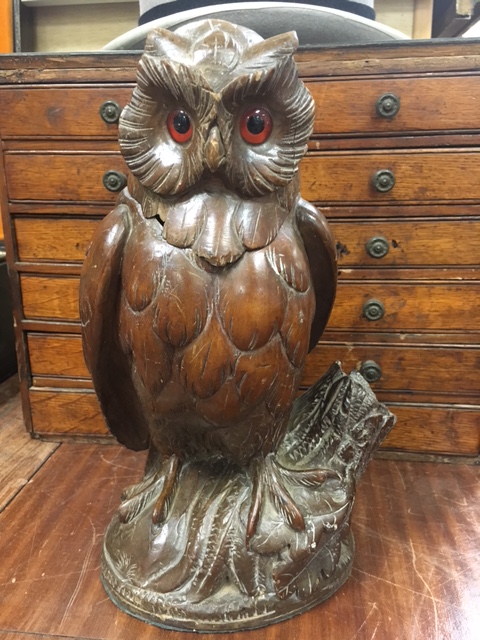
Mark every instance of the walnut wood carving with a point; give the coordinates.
(202, 293)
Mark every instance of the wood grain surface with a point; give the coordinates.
(20, 456)
(71, 176)
(415, 571)
(408, 307)
(50, 297)
(56, 355)
(347, 107)
(60, 111)
(411, 242)
(62, 239)
(72, 411)
(421, 176)
(403, 367)
(434, 429)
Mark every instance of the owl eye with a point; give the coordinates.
(179, 125)
(256, 126)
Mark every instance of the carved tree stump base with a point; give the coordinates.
(226, 611)
(211, 546)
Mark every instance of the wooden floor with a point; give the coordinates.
(416, 574)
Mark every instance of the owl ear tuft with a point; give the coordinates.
(271, 50)
(167, 44)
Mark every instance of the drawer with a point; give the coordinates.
(61, 176)
(418, 176)
(401, 368)
(425, 104)
(50, 297)
(403, 307)
(407, 243)
(59, 239)
(56, 355)
(435, 429)
(393, 306)
(66, 412)
(59, 111)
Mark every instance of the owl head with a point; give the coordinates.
(213, 98)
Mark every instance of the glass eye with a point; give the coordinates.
(256, 125)
(179, 125)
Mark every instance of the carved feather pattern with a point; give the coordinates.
(158, 162)
(274, 163)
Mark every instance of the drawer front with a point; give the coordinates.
(408, 243)
(59, 239)
(418, 176)
(56, 355)
(50, 297)
(432, 307)
(431, 429)
(424, 104)
(59, 111)
(66, 412)
(401, 368)
(61, 177)
(406, 307)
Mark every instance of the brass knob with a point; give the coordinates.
(373, 310)
(114, 180)
(109, 112)
(388, 105)
(383, 180)
(371, 371)
(377, 247)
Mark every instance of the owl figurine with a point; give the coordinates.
(201, 295)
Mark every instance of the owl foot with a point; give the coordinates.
(170, 476)
(267, 479)
(136, 496)
(271, 478)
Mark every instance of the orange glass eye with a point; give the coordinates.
(256, 125)
(179, 125)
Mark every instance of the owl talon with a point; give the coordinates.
(160, 510)
(266, 477)
(257, 468)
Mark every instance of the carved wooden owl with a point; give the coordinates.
(206, 286)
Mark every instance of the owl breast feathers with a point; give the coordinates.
(206, 286)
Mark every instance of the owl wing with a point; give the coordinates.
(99, 301)
(320, 247)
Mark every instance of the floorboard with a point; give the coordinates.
(20, 456)
(415, 574)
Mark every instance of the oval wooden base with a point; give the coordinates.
(225, 612)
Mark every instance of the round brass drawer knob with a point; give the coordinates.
(383, 180)
(373, 310)
(109, 112)
(114, 180)
(371, 371)
(387, 105)
(377, 247)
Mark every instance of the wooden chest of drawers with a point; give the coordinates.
(394, 163)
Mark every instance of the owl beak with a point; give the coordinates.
(214, 150)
